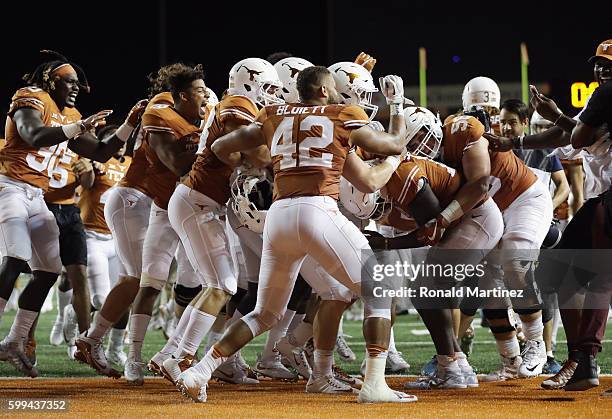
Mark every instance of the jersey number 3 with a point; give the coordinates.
(296, 153)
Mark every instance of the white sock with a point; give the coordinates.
(508, 348)
(534, 330)
(275, 334)
(297, 319)
(323, 361)
(392, 342)
(24, 319)
(549, 354)
(3, 303)
(447, 362)
(199, 324)
(138, 330)
(209, 363)
(98, 328)
(375, 368)
(340, 328)
(300, 335)
(556, 324)
(462, 361)
(115, 339)
(63, 299)
(172, 344)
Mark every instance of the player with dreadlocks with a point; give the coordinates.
(42, 123)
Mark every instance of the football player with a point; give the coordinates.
(196, 205)
(308, 143)
(103, 264)
(42, 123)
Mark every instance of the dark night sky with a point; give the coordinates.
(119, 44)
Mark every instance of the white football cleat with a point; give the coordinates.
(383, 394)
(172, 367)
(327, 384)
(116, 356)
(232, 372)
(193, 385)
(534, 359)
(396, 364)
(91, 352)
(344, 350)
(134, 372)
(14, 353)
(443, 379)
(508, 371)
(71, 326)
(56, 337)
(343, 376)
(296, 358)
(274, 368)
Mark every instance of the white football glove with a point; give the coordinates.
(392, 87)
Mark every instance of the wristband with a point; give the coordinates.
(452, 212)
(393, 161)
(396, 108)
(124, 131)
(73, 130)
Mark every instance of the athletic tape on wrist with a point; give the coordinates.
(393, 161)
(71, 130)
(124, 131)
(452, 212)
(396, 108)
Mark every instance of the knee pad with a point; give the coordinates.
(520, 275)
(238, 296)
(97, 301)
(248, 301)
(184, 295)
(150, 282)
(261, 320)
(527, 311)
(547, 315)
(497, 314)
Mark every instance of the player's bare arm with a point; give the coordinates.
(228, 148)
(562, 188)
(32, 129)
(476, 165)
(368, 178)
(172, 153)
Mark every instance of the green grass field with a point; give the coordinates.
(410, 335)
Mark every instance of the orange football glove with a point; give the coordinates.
(431, 232)
(366, 61)
(136, 112)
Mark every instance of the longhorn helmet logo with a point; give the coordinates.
(294, 71)
(605, 46)
(351, 76)
(252, 73)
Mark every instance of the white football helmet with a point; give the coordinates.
(251, 196)
(212, 97)
(366, 206)
(288, 70)
(254, 78)
(355, 84)
(481, 91)
(418, 118)
(537, 123)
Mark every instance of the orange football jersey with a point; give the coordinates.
(36, 166)
(161, 117)
(309, 145)
(62, 186)
(209, 175)
(403, 186)
(136, 175)
(510, 177)
(92, 200)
